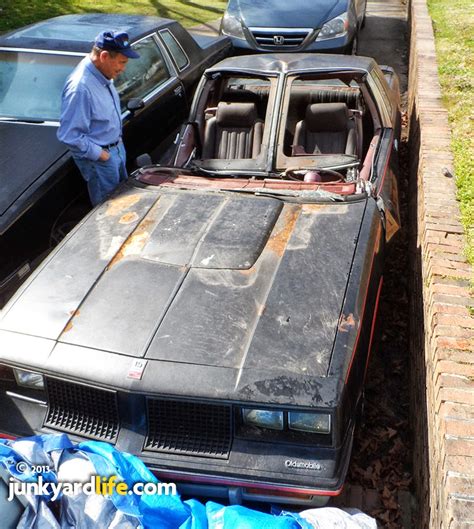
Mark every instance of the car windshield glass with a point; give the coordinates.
(31, 84)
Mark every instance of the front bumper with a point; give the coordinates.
(252, 471)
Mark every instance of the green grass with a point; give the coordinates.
(17, 13)
(453, 23)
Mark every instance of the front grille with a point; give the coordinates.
(82, 410)
(189, 428)
(282, 38)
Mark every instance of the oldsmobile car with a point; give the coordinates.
(37, 175)
(216, 317)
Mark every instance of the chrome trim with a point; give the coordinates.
(47, 52)
(14, 395)
(280, 30)
(47, 123)
(167, 30)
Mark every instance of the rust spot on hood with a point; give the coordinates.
(313, 208)
(135, 243)
(73, 314)
(279, 239)
(128, 218)
(120, 204)
(347, 323)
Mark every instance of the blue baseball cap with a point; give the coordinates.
(115, 41)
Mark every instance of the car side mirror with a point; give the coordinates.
(143, 160)
(135, 104)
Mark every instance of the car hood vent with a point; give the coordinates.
(189, 428)
(211, 230)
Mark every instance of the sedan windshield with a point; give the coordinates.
(31, 84)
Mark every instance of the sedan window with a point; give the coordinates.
(31, 84)
(144, 75)
(175, 49)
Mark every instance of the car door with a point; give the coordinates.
(385, 176)
(152, 79)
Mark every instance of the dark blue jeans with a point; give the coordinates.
(103, 177)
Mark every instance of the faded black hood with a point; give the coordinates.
(284, 14)
(199, 278)
(26, 151)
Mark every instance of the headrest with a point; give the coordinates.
(236, 115)
(327, 117)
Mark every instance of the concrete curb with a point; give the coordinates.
(442, 343)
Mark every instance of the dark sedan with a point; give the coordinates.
(279, 25)
(37, 176)
(216, 318)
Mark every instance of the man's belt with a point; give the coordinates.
(110, 145)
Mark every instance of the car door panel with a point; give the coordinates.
(386, 167)
(153, 79)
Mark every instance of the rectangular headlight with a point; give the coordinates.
(29, 379)
(263, 418)
(310, 422)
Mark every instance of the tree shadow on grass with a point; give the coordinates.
(18, 13)
(186, 17)
(212, 9)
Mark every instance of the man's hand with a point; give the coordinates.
(104, 155)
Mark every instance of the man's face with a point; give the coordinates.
(111, 66)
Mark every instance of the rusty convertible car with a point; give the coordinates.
(216, 317)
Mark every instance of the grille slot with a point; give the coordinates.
(82, 410)
(189, 428)
(279, 37)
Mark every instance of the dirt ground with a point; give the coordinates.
(380, 477)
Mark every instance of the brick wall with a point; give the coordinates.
(442, 327)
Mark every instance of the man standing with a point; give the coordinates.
(91, 122)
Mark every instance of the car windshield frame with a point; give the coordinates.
(240, 166)
(32, 81)
(283, 161)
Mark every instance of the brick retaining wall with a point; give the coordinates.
(442, 327)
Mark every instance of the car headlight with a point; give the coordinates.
(310, 422)
(263, 418)
(337, 27)
(232, 26)
(29, 379)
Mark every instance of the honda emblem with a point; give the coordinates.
(278, 40)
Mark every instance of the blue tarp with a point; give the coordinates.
(129, 511)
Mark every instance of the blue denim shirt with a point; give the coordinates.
(90, 112)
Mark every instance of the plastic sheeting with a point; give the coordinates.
(77, 463)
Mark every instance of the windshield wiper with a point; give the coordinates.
(22, 120)
(304, 194)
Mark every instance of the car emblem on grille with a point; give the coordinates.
(279, 40)
(307, 465)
